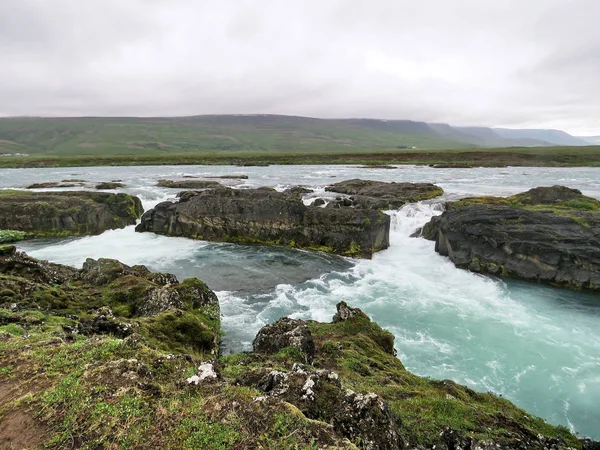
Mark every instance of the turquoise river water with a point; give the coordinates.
(535, 345)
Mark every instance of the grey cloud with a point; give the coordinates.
(467, 62)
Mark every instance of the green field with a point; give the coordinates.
(551, 157)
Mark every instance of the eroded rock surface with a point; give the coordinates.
(381, 195)
(67, 213)
(266, 216)
(548, 234)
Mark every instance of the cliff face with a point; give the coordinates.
(549, 235)
(269, 217)
(111, 355)
(67, 213)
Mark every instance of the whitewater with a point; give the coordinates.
(538, 346)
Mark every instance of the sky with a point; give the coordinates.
(512, 63)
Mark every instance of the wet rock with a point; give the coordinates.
(110, 185)
(284, 333)
(549, 235)
(266, 216)
(188, 184)
(318, 202)
(67, 213)
(380, 195)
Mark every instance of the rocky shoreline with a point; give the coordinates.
(547, 234)
(117, 354)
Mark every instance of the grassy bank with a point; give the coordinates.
(513, 156)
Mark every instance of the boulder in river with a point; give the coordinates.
(105, 185)
(381, 195)
(547, 234)
(67, 213)
(265, 216)
(188, 184)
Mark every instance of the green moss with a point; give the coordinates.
(7, 236)
(180, 332)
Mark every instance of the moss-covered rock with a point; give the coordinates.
(188, 184)
(547, 234)
(109, 297)
(381, 195)
(67, 213)
(265, 216)
(105, 185)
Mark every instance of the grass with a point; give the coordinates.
(497, 157)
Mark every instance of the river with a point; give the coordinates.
(537, 346)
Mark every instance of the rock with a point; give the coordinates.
(206, 371)
(345, 312)
(180, 317)
(298, 191)
(284, 333)
(53, 184)
(318, 202)
(188, 184)
(318, 394)
(368, 417)
(230, 177)
(269, 217)
(377, 166)
(549, 235)
(104, 322)
(109, 185)
(67, 213)
(380, 195)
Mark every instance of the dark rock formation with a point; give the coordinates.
(269, 217)
(549, 234)
(364, 418)
(284, 333)
(109, 185)
(67, 213)
(55, 184)
(188, 184)
(318, 202)
(115, 299)
(380, 195)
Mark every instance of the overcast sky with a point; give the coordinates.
(515, 63)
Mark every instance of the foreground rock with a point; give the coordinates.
(109, 297)
(547, 234)
(266, 216)
(67, 213)
(380, 195)
(112, 353)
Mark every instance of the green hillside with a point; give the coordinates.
(256, 133)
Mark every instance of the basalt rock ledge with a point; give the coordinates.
(265, 216)
(547, 234)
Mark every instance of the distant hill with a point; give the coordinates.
(594, 140)
(554, 137)
(249, 133)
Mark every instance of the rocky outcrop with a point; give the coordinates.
(116, 299)
(269, 217)
(67, 213)
(380, 195)
(548, 234)
(105, 185)
(188, 184)
(284, 333)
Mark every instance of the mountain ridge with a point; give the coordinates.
(69, 136)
